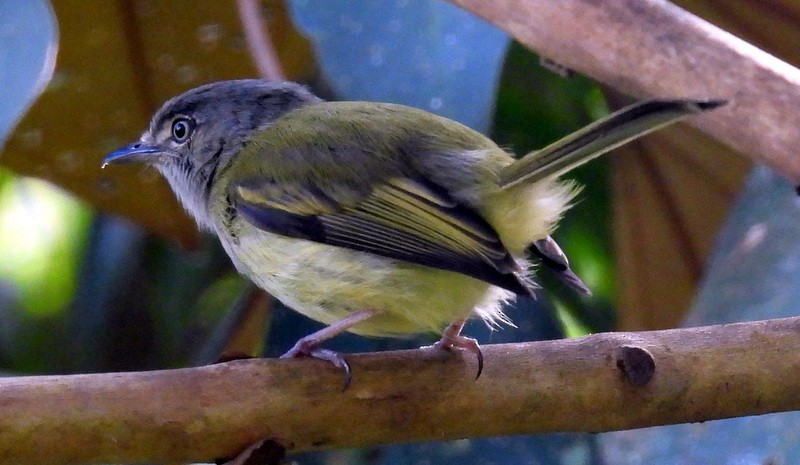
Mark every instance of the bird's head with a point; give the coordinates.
(192, 136)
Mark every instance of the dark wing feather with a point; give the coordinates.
(403, 219)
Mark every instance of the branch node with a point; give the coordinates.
(636, 364)
(556, 67)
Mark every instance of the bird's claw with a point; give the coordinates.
(305, 349)
(462, 342)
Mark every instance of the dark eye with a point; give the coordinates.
(182, 129)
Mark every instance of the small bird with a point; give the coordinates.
(374, 218)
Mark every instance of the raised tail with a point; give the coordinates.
(601, 136)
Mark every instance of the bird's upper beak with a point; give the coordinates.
(133, 153)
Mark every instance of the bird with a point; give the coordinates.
(375, 218)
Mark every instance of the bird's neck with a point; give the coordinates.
(191, 195)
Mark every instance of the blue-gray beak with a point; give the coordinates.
(133, 153)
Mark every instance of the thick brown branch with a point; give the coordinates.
(653, 48)
(597, 383)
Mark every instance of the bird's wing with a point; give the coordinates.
(360, 192)
(400, 218)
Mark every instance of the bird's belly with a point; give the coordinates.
(328, 283)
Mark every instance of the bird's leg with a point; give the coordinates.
(268, 450)
(452, 338)
(309, 345)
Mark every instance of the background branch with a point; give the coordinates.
(596, 383)
(652, 48)
(261, 49)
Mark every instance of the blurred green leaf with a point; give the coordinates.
(536, 107)
(42, 232)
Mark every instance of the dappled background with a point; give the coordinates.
(102, 271)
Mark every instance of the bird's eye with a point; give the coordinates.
(182, 129)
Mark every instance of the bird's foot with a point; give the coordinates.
(309, 347)
(457, 341)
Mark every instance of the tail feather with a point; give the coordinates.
(600, 137)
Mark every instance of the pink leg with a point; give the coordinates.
(309, 345)
(452, 338)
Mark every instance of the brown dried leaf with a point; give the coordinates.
(117, 62)
(672, 190)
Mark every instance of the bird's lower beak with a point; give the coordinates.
(134, 153)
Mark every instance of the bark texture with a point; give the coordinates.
(596, 383)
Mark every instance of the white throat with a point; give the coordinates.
(190, 193)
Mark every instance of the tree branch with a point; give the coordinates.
(264, 55)
(653, 48)
(596, 383)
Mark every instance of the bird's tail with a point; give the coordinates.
(601, 136)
